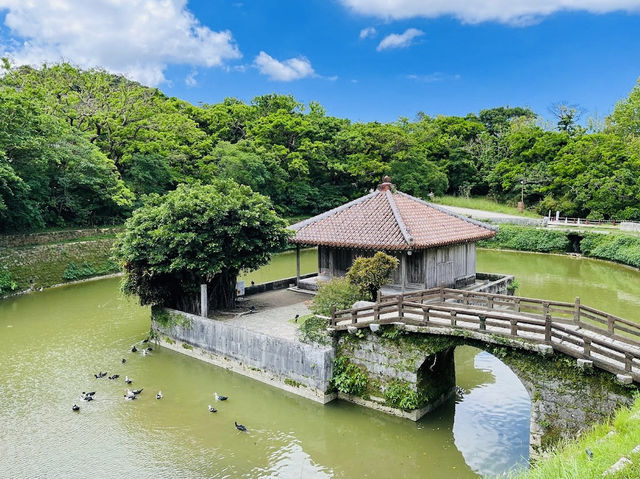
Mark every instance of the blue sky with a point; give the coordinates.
(441, 58)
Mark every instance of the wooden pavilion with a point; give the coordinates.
(435, 246)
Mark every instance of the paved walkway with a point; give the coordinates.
(483, 215)
(274, 310)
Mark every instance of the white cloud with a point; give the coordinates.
(286, 70)
(138, 38)
(517, 12)
(399, 40)
(433, 77)
(367, 32)
(190, 79)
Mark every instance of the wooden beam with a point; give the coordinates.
(297, 265)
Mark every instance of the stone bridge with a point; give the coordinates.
(578, 364)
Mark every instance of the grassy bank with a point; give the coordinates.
(618, 247)
(482, 203)
(607, 442)
(55, 259)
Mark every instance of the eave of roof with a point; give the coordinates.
(355, 228)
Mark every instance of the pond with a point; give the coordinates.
(54, 341)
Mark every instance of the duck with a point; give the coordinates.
(130, 394)
(212, 409)
(220, 398)
(240, 427)
(86, 397)
(134, 349)
(124, 360)
(159, 395)
(75, 407)
(127, 380)
(144, 352)
(145, 340)
(295, 320)
(115, 376)
(137, 391)
(100, 375)
(149, 349)
(92, 393)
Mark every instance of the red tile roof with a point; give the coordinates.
(389, 220)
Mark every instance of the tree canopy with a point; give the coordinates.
(84, 147)
(197, 234)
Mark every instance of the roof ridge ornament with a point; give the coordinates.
(386, 184)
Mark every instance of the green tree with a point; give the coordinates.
(193, 235)
(370, 274)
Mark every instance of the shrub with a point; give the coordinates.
(400, 395)
(370, 274)
(6, 282)
(313, 329)
(528, 239)
(338, 293)
(620, 248)
(75, 271)
(348, 378)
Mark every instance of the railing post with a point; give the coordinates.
(576, 311)
(354, 317)
(442, 294)
(628, 359)
(379, 296)
(517, 305)
(465, 298)
(514, 327)
(453, 318)
(587, 347)
(334, 320)
(376, 311)
(400, 308)
(490, 302)
(425, 314)
(610, 324)
(547, 323)
(483, 323)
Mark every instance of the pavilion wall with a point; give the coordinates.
(453, 266)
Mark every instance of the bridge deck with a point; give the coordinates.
(570, 328)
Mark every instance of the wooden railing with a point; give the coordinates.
(610, 342)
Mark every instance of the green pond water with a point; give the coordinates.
(54, 341)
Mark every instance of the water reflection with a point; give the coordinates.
(491, 426)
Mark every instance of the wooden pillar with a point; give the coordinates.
(403, 270)
(330, 251)
(204, 301)
(297, 265)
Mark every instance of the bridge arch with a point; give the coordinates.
(409, 373)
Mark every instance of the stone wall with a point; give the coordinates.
(28, 239)
(44, 265)
(297, 367)
(565, 399)
(400, 370)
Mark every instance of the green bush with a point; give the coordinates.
(400, 395)
(348, 378)
(370, 274)
(523, 238)
(338, 293)
(620, 248)
(313, 329)
(75, 271)
(7, 284)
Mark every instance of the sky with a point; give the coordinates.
(366, 60)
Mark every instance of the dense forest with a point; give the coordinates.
(85, 148)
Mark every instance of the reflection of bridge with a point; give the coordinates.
(594, 337)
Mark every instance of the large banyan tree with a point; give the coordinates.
(197, 234)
